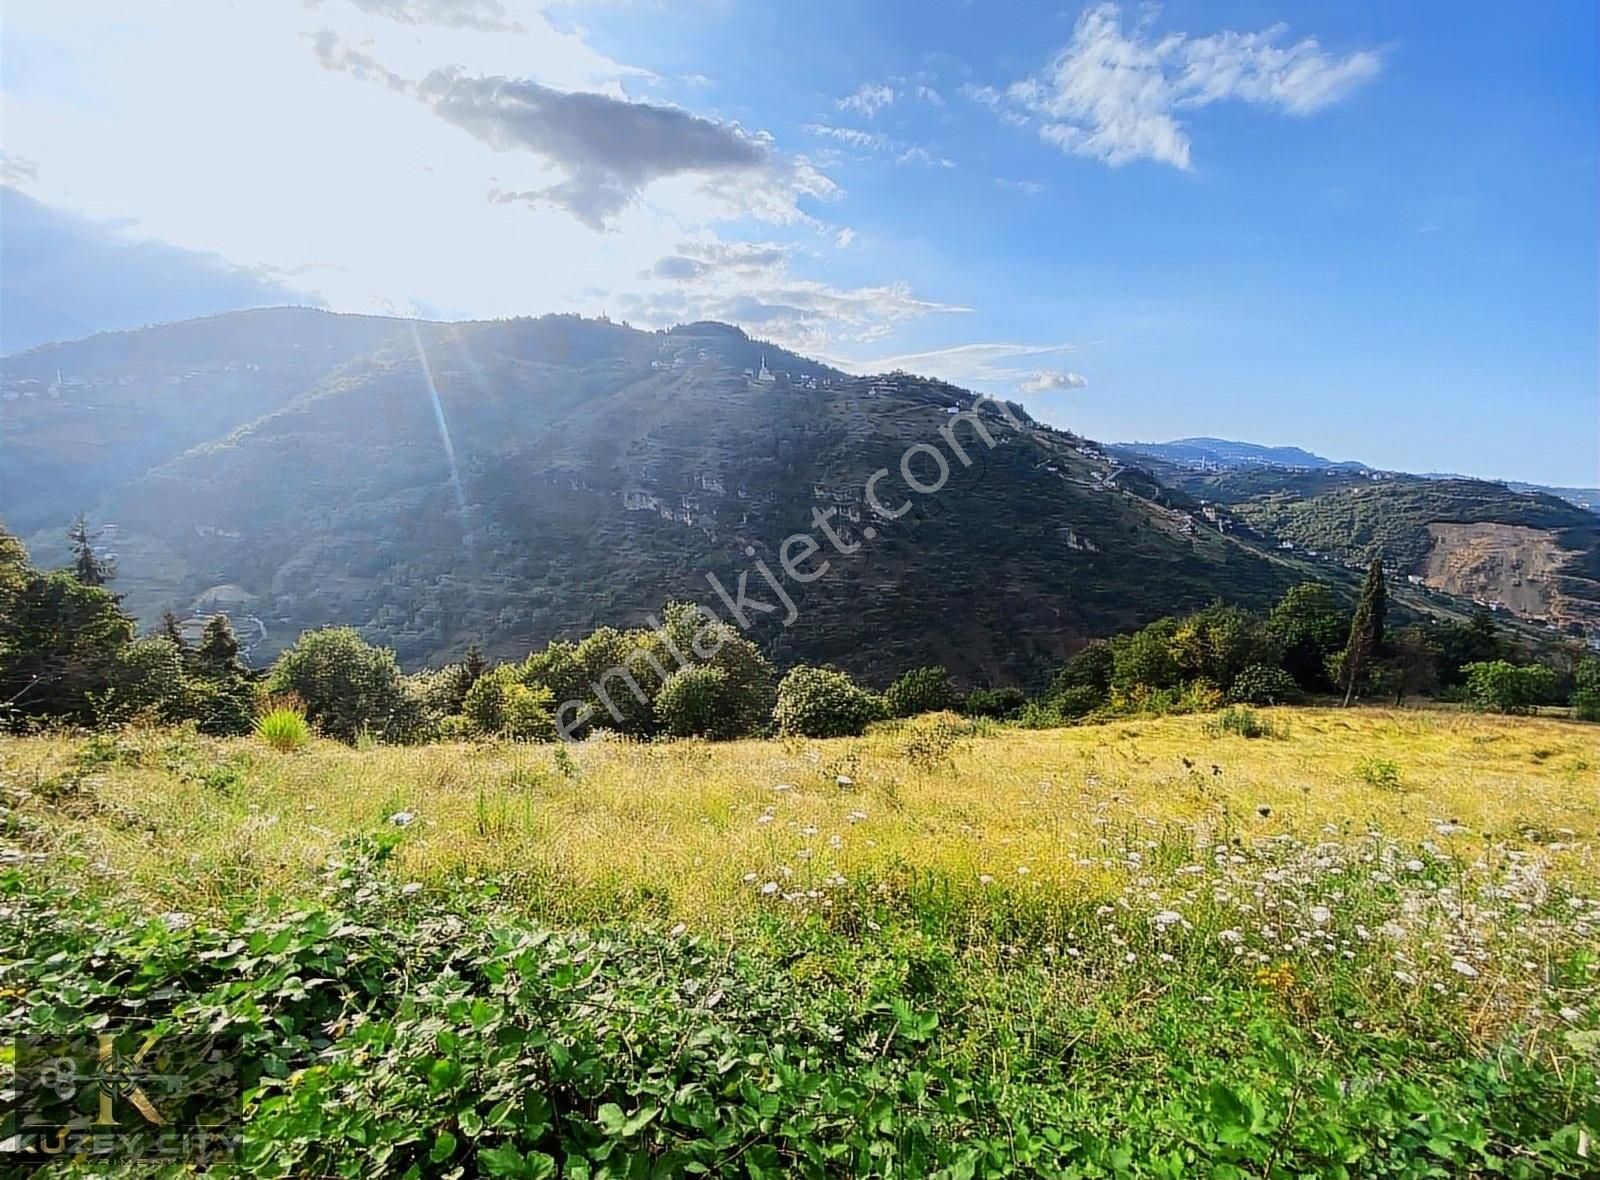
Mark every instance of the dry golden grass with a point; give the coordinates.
(677, 830)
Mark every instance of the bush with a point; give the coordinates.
(1502, 687)
(501, 704)
(1263, 684)
(821, 703)
(1245, 723)
(690, 703)
(921, 690)
(283, 728)
(999, 703)
(1077, 700)
(1586, 704)
(1382, 774)
(347, 685)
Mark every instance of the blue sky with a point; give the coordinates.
(1365, 228)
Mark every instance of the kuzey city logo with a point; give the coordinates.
(129, 1095)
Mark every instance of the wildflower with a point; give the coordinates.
(403, 819)
(1231, 937)
(1168, 918)
(1414, 866)
(1571, 1015)
(1462, 967)
(749, 878)
(676, 932)
(410, 887)
(1022, 870)
(763, 819)
(769, 889)
(177, 919)
(856, 817)
(985, 879)
(844, 781)
(1320, 914)
(784, 787)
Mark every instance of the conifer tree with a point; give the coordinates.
(88, 566)
(1366, 629)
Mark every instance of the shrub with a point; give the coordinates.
(1381, 774)
(347, 685)
(1586, 704)
(690, 703)
(1245, 723)
(283, 728)
(1077, 701)
(820, 703)
(501, 704)
(921, 690)
(1263, 684)
(998, 703)
(1503, 687)
(1041, 715)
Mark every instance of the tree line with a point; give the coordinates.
(70, 653)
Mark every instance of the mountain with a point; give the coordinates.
(1532, 552)
(1220, 454)
(63, 276)
(509, 482)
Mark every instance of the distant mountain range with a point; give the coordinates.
(1221, 454)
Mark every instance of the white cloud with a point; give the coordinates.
(982, 363)
(869, 98)
(486, 15)
(930, 96)
(1115, 96)
(876, 142)
(751, 284)
(1053, 381)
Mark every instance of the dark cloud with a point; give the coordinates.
(609, 148)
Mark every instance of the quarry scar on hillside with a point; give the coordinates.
(796, 549)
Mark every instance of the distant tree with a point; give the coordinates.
(60, 647)
(88, 566)
(1503, 687)
(921, 690)
(1144, 659)
(1088, 672)
(1476, 641)
(1309, 625)
(223, 685)
(171, 629)
(1413, 664)
(822, 703)
(1586, 689)
(1218, 643)
(1263, 684)
(999, 703)
(346, 685)
(473, 665)
(218, 653)
(689, 703)
(1366, 630)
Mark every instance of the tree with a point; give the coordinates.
(172, 630)
(1503, 687)
(1413, 664)
(1145, 659)
(60, 647)
(1263, 684)
(1366, 630)
(998, 703)
(690, 703)
(1309, 625)
(921, 690)
(88, 566)
(1586, 689)
(1085, 678)
(1218, 643)
(822, 703)
(223, 684)
(346, 685)
(473, 665)
(1474, 642)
